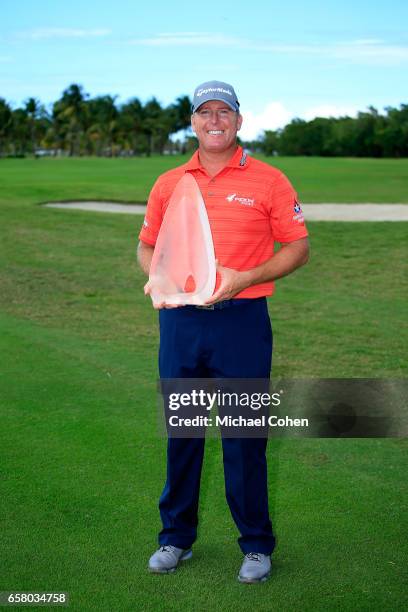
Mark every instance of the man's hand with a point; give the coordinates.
(291, 256)
(144, 256)
(231, 283)
(147, 291)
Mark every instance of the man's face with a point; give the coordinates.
(216, 126)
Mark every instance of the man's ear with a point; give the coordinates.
(239, 122)
(192, 123)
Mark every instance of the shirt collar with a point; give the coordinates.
(238, 160)
(193, 163)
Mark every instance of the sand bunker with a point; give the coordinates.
(110, 207)
(313, 212)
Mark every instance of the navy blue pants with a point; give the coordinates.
(233, 342)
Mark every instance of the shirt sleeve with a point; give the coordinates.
(286, 216)
(154, 216)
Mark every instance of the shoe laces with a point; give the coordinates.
(252, 556)
(165, 548)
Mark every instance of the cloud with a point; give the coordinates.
(361, 51)
(183, 39)
(43, 33)
(275, 115)
(368, 41)
(371, 51)
(330, 110)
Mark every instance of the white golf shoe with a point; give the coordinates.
(166, 559)
(256, 567)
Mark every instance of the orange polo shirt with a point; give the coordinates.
(250, 205)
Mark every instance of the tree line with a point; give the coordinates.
(79, 125)
(370, 134)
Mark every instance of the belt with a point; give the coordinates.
(224, 304)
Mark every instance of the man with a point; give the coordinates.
(250, 205)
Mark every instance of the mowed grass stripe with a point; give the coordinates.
(82, 462)
(130, 180)
(84, 491)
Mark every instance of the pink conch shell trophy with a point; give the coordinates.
(183, 269)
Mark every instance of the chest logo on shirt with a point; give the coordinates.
(235, 198)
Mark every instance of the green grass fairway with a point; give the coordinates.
(129, 180)
(81, 460)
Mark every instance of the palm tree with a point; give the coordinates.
(131, 120)
(154, 125)
(20, 132)
(102, 119)
(5, 124)
(32, 108)
(182, 109)
(180, 113)
(69, 116)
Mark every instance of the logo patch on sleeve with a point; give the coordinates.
(298, 216)
(145, 223)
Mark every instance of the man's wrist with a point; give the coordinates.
(256, 276)
(247, 279)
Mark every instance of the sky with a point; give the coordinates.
(284, 59)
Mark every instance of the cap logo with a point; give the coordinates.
(201, 92)
(215, 90)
